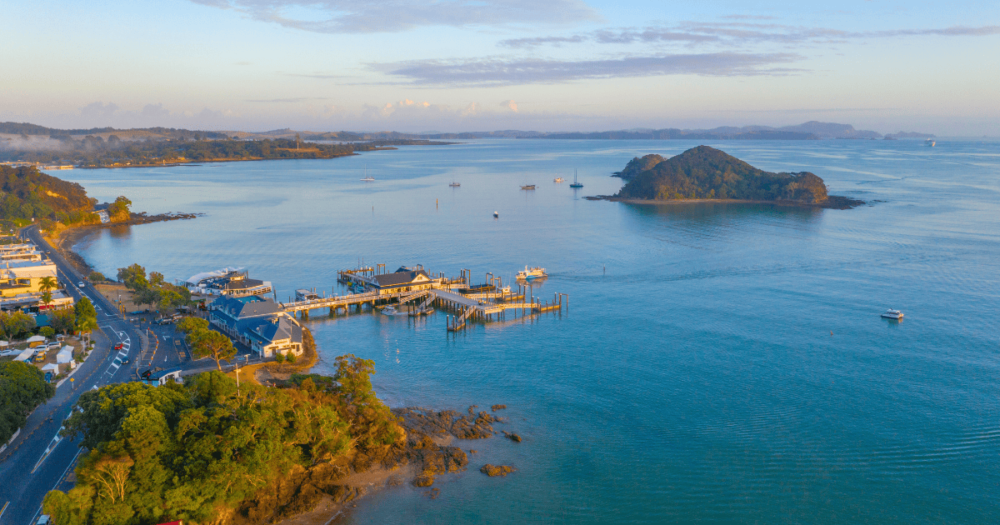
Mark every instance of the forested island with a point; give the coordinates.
(705, 173)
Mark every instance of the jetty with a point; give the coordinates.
(418, 290)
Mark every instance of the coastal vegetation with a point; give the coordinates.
(22, 389)
(27, 194)
(707, 173)
(213, 451)
(153, 290)
(205, 342)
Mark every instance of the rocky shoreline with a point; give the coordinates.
(318, 495)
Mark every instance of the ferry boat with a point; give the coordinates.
(531, 273)
(930, 142)
(454, 185)
(576, 183)
(893, 314)
(528, 187)
(558, 179)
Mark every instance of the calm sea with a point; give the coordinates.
(717, 363)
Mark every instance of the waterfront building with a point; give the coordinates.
(402, 280)
(232, 282)
(60, 299)
(24, 277)
(258, 323)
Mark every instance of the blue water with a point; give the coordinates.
(716, 363)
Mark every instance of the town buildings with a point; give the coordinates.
(258, 323)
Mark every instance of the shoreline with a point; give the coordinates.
(64, 239)
(833, 202)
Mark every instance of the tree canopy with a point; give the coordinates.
(198, 451)
(26, 193)
(22, 388)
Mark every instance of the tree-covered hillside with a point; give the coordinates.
(28, 193)
(707, 173)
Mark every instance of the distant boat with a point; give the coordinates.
(496, 215)
(893, 314)
(576, 183)
(528, 187)
(558, 179)
(930, 142)
(368, 178)
(531, 273)
(454, 185)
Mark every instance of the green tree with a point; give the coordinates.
(47, 331)
(63, 320)
(119, 211)
(46, 297)
(209, 343)
(133, 277)
(190, 324)
(22, 388)
(96, 277)
(46, 284)
(17, 325)
(85, 308)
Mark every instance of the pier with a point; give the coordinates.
(486, 302)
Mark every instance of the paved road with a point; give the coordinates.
(40, 460)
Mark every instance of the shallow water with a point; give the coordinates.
(716, 362)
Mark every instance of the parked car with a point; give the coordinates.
(119, 346)
(40, 357)
(125, 361)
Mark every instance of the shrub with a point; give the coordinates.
(280, 358)
(47, 331)
(96, 277)
(290, 358)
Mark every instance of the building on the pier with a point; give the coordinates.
(402, 280)
(257, 322)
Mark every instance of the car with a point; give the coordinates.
(119, 346)
(43, 520)
(125, 361)
(81, 284)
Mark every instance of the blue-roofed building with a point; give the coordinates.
(257, 322)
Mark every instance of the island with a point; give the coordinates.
(707, 174)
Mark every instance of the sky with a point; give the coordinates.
(479, 65)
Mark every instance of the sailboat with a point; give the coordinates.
(454, 185)
(576, 183)
(368, 178)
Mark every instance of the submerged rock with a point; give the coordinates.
(512, 436)
(498, 407)
(496, 470)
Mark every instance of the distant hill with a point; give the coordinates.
(707, 173)
(909, 135)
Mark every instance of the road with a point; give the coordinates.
(39, 460)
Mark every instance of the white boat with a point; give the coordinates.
(531, 273)
(930, 142)
(893, 314)
(389, 310)
(368, 178)
(496, 215)
(558, 179)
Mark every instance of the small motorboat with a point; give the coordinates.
(531, 273)
(454, 185)
(528, 187)
(558, 180)
(893, 314)
(496, 215)
(389, 310)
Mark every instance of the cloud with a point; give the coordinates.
(509, 104)
(738, 33)
(285, 100)
(508, 72)
(98, 111)
(353, 16)
(555, 41)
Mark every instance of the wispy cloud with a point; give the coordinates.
(285, 100)
(739, 34)
(360, 16)
(506, 72)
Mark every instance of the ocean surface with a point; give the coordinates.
(716, 363)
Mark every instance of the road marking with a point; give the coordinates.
(52, 445)
(4, 509)
(58, 481)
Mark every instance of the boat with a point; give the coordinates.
(528, 187)
(576, 183)
(930, 142)
(389, 310)
(558, 179)
(368, 178)
(454, 185)
(893, 314)
(531, 273)
(496, 215)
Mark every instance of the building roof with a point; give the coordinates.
(401, 278)
(273, 329)
(242, 284)
(237, 308)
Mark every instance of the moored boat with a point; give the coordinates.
(454, 185)
(559, 179)
(531, 273)
(576, 183)
(528, 187)
(893, 314)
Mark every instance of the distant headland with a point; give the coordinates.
(707, 174)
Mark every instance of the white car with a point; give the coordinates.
(81, 284)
